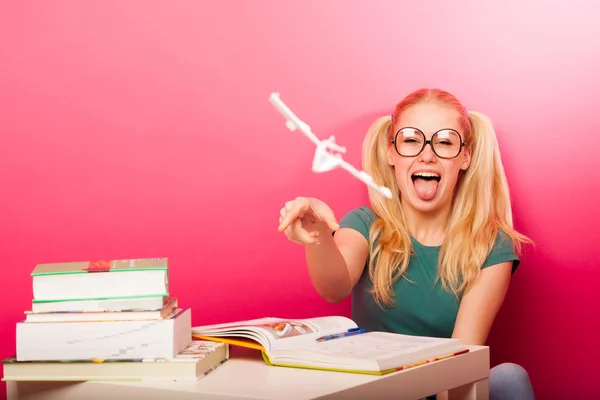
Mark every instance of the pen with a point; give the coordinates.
(350, 332)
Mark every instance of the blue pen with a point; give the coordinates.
(350, 332)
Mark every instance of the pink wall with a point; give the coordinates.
(134, 129)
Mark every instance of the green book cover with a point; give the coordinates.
(82, 267)
(145, 296)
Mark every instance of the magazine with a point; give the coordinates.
(331, 343)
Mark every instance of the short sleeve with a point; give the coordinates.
(360, 220)
(501, 252)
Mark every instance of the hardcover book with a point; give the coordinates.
(100, 279)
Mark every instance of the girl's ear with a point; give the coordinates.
(390, 153)
(466, 158)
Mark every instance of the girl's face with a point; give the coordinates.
(427, 180)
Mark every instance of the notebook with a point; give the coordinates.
(332, 343)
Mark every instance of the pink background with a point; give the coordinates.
(140, 129)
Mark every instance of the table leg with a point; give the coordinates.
(478, 390)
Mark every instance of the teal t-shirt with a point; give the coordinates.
(422, 306)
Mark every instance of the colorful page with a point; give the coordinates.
(273, 333)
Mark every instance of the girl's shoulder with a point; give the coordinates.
(359, 219)
(502, 251)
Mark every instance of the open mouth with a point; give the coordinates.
(426, 184)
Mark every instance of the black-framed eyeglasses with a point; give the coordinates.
(445, 143)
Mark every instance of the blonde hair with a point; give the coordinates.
(481, 205)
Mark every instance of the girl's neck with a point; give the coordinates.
(428, 228)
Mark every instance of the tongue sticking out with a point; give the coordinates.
(426, 188)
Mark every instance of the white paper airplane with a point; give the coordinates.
(328, 155)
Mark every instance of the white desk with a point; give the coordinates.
(246, 376)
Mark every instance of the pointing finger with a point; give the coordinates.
(290, 213)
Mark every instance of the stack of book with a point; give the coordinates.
(110, 319)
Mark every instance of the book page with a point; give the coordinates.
(369, 346)
(274, 330)
(388, 349)
(329, 324)
(297, 332)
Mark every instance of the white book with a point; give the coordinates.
(100, 279)
(83, 316)
(145, 303)
(104, 340)
(197, 360)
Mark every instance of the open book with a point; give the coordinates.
(331, 343)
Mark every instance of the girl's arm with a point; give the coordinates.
(336, 263)
(481, 302)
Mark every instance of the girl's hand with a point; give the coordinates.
(304, 219)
